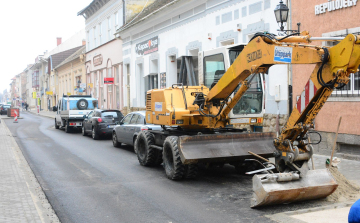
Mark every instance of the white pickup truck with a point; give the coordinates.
(72, 109)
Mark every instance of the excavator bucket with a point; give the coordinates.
(314, 185)
(225, 147)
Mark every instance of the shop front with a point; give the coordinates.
(104, 74)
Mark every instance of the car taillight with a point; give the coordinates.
(99, 119)
(144, 128)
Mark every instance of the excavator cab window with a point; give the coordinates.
(251, 102)
(214, 69)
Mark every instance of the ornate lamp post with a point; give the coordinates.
(281, 14)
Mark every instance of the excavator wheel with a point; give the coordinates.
(174, 168)
(147, 156)
(191, 171)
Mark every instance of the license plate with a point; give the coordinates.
(75, 123)
(111, 126)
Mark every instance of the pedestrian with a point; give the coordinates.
(354, 214)
(26, 106)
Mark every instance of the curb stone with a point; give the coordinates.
(285, 217)
(42, 205)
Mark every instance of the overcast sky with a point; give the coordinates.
(30, 27)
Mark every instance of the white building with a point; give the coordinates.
(188, 27)
(103, 52)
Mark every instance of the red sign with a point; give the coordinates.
(108, 80)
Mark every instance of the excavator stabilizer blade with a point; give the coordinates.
(225, 147)
(314, 185)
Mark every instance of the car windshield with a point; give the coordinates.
(111, 114)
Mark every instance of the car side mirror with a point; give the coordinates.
(85, 116)
(117, 123)
(121, 123)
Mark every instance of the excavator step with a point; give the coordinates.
(227, 147)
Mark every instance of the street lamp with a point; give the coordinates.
(281, 14)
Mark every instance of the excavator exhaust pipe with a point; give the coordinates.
(229, 147)
(281, 188)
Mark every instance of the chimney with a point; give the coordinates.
(83, 42)
(58, 41)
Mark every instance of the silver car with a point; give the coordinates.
(129, 127)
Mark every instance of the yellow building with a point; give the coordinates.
(66, 70)
(71, 74)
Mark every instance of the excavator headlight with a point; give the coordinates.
(253, 120)
(180, 122)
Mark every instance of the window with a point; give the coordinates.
(126, 120)
(100, 34)
(251, 101)
(117, 87)
(116, 19)
(109, 29)
(152, 82)
(214, 69)
(88, 40)
(110, 114)
(352, 89)
(134, 119)
(140, 120)
(95, 37)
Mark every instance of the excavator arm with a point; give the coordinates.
(333, 67)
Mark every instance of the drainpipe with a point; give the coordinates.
(124, 3)
(290, 84)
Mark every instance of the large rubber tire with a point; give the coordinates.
(83, 132)
(174, 168)
(56, 125)
(147, 156)
(67, 128)
(116, 143)
(94, 134)
(191, 171)
(82, 104)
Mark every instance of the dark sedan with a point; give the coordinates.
(130, 127)
(100, 122)
(3, 109)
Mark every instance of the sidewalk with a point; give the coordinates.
(22, 199)
(49, 114)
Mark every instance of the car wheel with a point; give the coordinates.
(147, 156)
(56, 125)
(174, 168)
(67, 128)
(94, 134)
(116, 143)
(83, 130)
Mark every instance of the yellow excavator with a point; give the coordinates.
(196, 128)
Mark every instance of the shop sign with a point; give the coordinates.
(147, 47)
(49, 93)
(108, 80)
(97, 60)
(334, 5)
(83, 85)
(90, 85)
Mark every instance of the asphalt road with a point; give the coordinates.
(89, 180)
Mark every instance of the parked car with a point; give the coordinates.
(3, 109)
(128, 129)
(100, 122)
(71, 110)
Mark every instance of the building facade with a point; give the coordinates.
(335, 18)
(103, 52)
(71, 74)
(187, 28)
